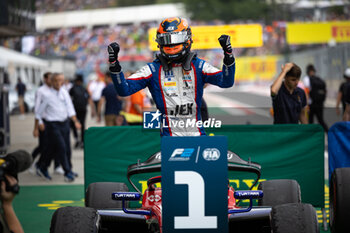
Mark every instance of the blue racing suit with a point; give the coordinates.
(177, 93)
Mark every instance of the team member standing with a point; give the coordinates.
(176, 78)
(288, 100)
(80, 98)
(317, 96)
(342, 92)
(58, 107)
(95, 87)
(346, 116)
(44, 90)
(113, 104)
(137, 103)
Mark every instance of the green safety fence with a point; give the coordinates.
(284, 152)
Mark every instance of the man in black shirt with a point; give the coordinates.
(318, 92)
(342, 92)
(346, 116)
(80, 98)
(289, 101)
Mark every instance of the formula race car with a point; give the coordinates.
(279, 207)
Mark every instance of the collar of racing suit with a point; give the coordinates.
(186, 62)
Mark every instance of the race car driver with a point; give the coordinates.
(176, 77)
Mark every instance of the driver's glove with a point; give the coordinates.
(225, 43)
(113, 50)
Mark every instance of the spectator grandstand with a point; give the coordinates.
(46, 6)
(87, 43)
(88, 46)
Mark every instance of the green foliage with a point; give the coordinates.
(227, 10)
(122, 3)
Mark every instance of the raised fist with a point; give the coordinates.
(225, 43)
(113, 50)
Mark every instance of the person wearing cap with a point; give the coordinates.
(341, 93)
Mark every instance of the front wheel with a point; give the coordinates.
(74, 219)
(278, 192)
(339, 193)
(294, 218)
(99, 195)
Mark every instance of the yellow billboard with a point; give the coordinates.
(259, 68)
(314, 33)
(206, 37)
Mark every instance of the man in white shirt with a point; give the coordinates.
(56, 108)
(42, 146)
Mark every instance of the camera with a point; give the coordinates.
(13, 163)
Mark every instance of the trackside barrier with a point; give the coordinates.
(284, 152)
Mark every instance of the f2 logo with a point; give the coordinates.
(181, 154)
(196, 218)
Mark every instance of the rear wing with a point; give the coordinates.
(153, 164)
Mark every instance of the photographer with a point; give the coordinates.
(8, 219)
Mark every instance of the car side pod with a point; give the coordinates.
(130, 196)
(246, 195)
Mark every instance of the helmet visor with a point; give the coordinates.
(172, 38)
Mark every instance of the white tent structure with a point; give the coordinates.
(28, 68)
(109, 16)
(305, 4)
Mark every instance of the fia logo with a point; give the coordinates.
(151, 120)
(211, 154)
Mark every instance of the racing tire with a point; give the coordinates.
(74, 219)
(294, 218)
(339, 204)
(278, 192)
(99, 195)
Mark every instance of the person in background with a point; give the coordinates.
(342, 92)
(9, 221)
(113, 104)
(317, 96)
(57, 107)
(67, 84)
(95, 87)
(289, 101)
(346, 115)
(43, 140)
(136, 104)
(80, 98)
(21, 90)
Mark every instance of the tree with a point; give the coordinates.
(227, 10)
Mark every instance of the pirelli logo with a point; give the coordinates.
(341, 32)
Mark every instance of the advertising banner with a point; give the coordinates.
(194, 184)
(314, 33)
(259, 68)
(283, 151)
(206, 37)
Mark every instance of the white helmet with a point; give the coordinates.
(347, 73)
